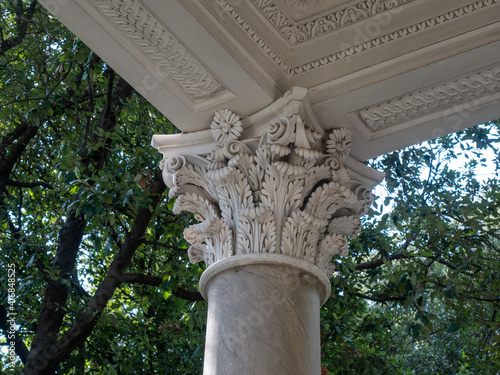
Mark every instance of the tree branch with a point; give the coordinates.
(40, 25)
(70, 237)
(29, 184)
(495, 300)
(187, 295)
(20, 348)
(22, 27)
(380, 299)
(165, 246)
(23, 134)
(138, 278)
(85, 323)
(379, 262)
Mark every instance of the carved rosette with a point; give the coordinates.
(287, 193)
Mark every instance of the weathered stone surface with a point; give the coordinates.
(263, 316)
(287, 192)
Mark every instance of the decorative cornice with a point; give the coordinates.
(253, 34)
(403, 33)
(347, 50)
(442, 96)
(161, 46)
(297, 33)
(288, 192)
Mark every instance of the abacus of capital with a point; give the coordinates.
(276, 197)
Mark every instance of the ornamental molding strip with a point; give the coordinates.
(233, 13)
(153, 39)
(458, 91)
(278, 18)
(286, 192)
(299, 32)
(396, 35)
(302, 4)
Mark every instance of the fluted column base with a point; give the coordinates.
(263, 315)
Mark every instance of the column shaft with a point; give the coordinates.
(263, 316)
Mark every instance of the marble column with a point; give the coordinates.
(276, 197)
(263, 315)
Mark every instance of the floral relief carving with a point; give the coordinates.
(302, 4)
(161, 46)
(301, 32)
(287, 192)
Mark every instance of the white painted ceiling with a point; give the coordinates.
(395, 72)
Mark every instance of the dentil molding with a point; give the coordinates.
(287, 191)
(252, 33)
(153, 39)
(355, 13)
(445, 95)
(393, 36)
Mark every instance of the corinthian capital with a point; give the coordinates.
(281, 186)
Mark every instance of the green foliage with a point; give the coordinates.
(420, 292)
(77, 164)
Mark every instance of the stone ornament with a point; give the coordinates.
(445, 95)
(301, 32)
(161, 46)
(287, 192)
(297, 34)
(302, 4)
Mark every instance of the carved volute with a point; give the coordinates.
(286, 192)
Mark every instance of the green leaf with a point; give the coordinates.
(453, 327)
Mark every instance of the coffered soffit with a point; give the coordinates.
(346, 37)
(387, 69)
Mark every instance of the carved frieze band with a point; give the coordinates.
(348, 50)
(287, 193)
(442, 96)
(160, 45)
(302, 4)
(297, 33)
